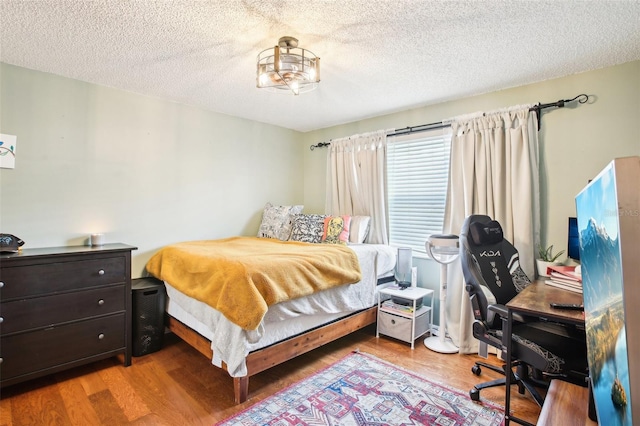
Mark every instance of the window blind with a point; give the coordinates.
(417, 178)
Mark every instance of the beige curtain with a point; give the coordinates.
(356, 180)
(493, 171)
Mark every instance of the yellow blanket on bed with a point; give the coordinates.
(242, 276)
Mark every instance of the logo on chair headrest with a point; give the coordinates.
(485, 233)
(490, 253)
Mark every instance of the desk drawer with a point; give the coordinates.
(30, 352)
(37, 312)
(34, 280)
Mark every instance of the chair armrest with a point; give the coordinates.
(501, 310)
(498, 309)
(481, 332)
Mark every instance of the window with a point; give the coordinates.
(417, 177)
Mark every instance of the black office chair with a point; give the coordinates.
(493, 276)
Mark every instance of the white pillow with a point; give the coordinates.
(277, 221)
(359, 229)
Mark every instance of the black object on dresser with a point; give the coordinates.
(62, 307)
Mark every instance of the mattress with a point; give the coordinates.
(231, 344)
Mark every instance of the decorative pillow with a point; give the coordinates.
(359, 229)
(307, 228)
(336, 229)
(277, 221)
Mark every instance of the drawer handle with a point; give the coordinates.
(1, 320)
(101, 272)
(1, 284)
(0, 360)
(100, 302)
(101, 336)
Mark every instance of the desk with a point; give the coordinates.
(534, 300)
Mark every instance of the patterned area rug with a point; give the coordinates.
(361, 389)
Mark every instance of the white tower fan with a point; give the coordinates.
(444, 249)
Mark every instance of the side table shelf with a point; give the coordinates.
(407, 322)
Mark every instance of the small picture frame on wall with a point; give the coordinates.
(8, 151)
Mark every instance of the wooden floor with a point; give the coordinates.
(179, 386)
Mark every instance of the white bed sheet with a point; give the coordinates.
(232, 344)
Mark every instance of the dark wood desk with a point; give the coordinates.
(534, 300)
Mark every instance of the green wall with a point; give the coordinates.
(144, 171)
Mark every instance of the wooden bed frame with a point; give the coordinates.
(262, 359)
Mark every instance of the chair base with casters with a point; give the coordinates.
(537, 363)
(520, 378)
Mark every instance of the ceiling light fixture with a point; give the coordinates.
(287, 67)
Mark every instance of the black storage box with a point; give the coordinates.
(148, 298)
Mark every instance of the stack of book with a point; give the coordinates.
(566, 277)
(389, 305)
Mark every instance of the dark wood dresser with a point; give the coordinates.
(62, 307)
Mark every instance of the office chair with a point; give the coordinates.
(540, 349)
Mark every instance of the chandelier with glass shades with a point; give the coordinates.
(287, 67)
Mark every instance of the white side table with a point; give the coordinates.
(404, 322)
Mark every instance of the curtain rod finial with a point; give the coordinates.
(319, 145)
(581, 98)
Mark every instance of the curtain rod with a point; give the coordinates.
(397, 132)
(582, 98)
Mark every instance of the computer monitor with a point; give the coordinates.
(573, 239)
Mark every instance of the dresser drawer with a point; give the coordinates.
(36, 312)
(34, 280)
(54, 346)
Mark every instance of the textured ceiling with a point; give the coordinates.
(378, 56)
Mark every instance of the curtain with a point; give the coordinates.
(356, 180)
(493, 171)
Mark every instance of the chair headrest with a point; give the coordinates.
(485, 233)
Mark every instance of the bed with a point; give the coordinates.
(287, 328)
